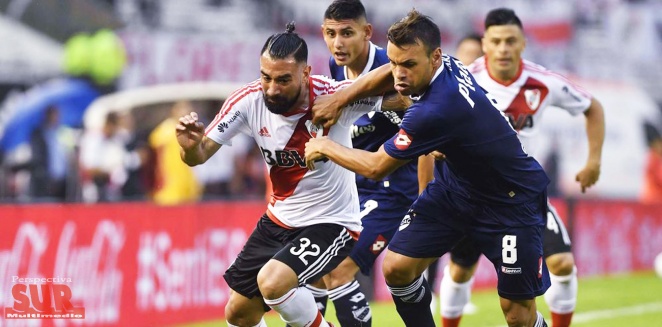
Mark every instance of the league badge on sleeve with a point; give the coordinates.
(403, 140)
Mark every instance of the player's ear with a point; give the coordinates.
(306, 73)
(367, 29)
(436, 57)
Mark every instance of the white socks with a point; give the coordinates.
(453, 296)
(298, 309)
(561, 297)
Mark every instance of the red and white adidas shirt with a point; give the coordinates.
(301, 197)
(525, 99)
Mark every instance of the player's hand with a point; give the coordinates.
(189, 131)
(588, 176)
(326, 110)
(314, 151)
(437, 155)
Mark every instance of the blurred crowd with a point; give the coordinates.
(120, 162)
(49, 155)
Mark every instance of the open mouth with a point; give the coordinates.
(401, 87)
(340, 56)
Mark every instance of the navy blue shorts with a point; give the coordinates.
(555, 240)
(434, 226)
(381, 218)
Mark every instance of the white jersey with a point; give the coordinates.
(301, 197)
(525, 99)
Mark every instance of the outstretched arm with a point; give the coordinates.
(374, 165)
(196, 148)
(595, 131)
(379, 81)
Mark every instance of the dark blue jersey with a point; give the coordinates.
(485, 160)
(371, 130)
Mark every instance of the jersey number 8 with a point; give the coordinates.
(509, 249)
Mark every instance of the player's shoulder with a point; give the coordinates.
(380, 55)
(248, 93)
(546, 76)
(247, 89)
(477, 66)
(337, 72)
(321, 84)
(539, 71)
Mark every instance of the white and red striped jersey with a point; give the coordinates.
(301, 197)
(525, 99)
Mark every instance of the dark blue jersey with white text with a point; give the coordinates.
(371, 130)
(485, 161)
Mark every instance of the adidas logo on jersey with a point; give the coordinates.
(264, 132)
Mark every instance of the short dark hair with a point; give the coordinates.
(502, 16)
(413, 28)
(471, 37)
(283, 45)
(345, 9)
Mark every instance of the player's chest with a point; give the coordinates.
(284, 138)
(527, 95)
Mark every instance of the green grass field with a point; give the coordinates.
(616, 301)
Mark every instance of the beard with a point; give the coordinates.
(279, 104)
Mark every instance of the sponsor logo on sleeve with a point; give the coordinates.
(223, 125)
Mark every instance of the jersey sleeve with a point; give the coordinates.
(359, 108)
(229, 121)
(415, 137)
(567, 95)
(350, 113)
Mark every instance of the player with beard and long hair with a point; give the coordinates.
(312, 220)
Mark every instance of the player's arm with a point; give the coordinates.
(396, 102)
(195, 147)
(425, 171)
(379, 81)
(374, 165)
(595, 131)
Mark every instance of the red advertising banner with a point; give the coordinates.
(137, 264)
(122, 264)
(616, 237)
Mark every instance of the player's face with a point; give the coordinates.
(503, 46)
(468, 51)
(412, 67)
(282, 81)
(346, 39)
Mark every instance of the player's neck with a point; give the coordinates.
(304, 98)
(355, 69)
(505, 77)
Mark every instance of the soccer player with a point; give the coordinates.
(468, 49)
(347, 35)
(524, 91)
(487, 188)
(312, 219)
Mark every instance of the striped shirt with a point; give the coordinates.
(301, 197)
